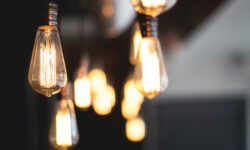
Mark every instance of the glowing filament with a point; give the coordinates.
(48, 65)
(153, 3)
(150, 69)
(63, 129)
(82, 92)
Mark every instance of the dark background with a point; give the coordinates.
(25, 115)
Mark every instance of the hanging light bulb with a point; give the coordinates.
(63, 130)
(82, 90)
(152, 7)
(47, 71)
(135, 44)
(135, 129)
(150, 75)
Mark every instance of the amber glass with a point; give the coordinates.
(47, 71)
(63, 129)
(152, 7)
(150, 76)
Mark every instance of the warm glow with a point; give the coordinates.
(102, 102)
(150, 70)
(97, 80)
(153, 3)
(63, 128)
(82, 92)
(131, 93)
(130, 109)
(48, 64)
(135, 130)
(136, 41)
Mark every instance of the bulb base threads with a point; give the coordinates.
(52, 13)
(148, 25)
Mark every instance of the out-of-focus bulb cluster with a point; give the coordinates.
(103, 94)
(91, 88)
(131, 105)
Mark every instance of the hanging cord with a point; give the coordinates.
(52, 13)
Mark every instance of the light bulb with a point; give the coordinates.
(63, 128)
(82, 93)
(131, 104)
(131, 94)
(135, 129)
(150, 75)
(98, 80)
(102, 103)
(152, 7)
(47, 71)
(129, 109)
(135, 44)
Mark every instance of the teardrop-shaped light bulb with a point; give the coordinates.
(47, 71)
(150, 76)
(152, 7)
(63, 130)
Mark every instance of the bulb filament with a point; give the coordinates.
(150, 70)
(48, 64)
(63, 129)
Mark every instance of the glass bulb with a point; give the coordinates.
(63, 130)
(135, 129)
(152, 7)
(47, 71)
(150, 75)
(135, 44)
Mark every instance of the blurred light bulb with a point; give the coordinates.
(97, 79)
(82, 93)
(47, 71)
(135, 44)
(132, 101)
(152, 7)
(150, 75)
(129, 109)
(63, 130)
(102, 102)
(135, 129)
(131, 94)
